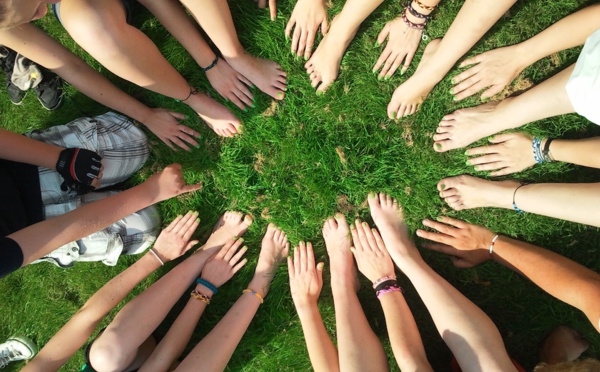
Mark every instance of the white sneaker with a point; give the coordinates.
(16, 348)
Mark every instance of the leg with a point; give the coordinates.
(122, 145)
(324, 65)
(358, 347)
(465, 126)
(475, 18)
(215, 18)
(215, 350)
(576, 202)
(118, 346)
(466, 329)
(101, 29)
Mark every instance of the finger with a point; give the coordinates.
(173, 223)
(176, 140)
(383, 35)
(183, 222)
(191, 228)
(464, 76)
(190, 245)
(187, 138)
(273, 9)
(310, 256)
(225, 248)
(492, 91)
(302, 43)
(465, 84)
(379, 242)
(189, 131)
(490, 166)
(355, 238)
(295, 40)
(471, 90)
(229, 252)
(297, 259)
(442, 248)
(190, 188)
(360, 228)
(177, 115)
(262, 3)
(241, 264)
(443, 228)
(435, 237)
(453, 221)
(485, 159)
(302, 257)
(167, 141)
(291, 272)
(503, 172)
(242, 86)
(289, 26)
(324, 27)
(482, 150)
(236, 101)
(320, 267)
(460, 262)
(238, 256)
(504, 137)
(370, 238)
(394, 67)
(310, 40)
(471, 61)
(383, 60)
(388, 63)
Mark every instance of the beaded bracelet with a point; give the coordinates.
(207, 284)
(536, 145)
(389, 289)
(416, 26)
(415, 13)
(423, 6)
(515, 204)
(213, 64)
(383, 279)
(199, 296)
(248, 290)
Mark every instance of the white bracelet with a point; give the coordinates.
(155, 255)
(492, 244)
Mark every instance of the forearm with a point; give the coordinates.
(22, 149)
(67, 341)
(567, 33)
(577, 202)
(584, 152)
(464, 327)
(352, 15)
(43, 237)
(176, 339)
(321, 350)
(560, 277)
(403, 332)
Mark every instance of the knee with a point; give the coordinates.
(108, 355)
(143, 228)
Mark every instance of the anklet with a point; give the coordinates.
(515, 204)
(207, 284)
(423, 6)
(199, 296)
(213, 64)
(158, 258)
(536, 146)
(193, 92)
(492, 244)
(248, 290)
(383, 279)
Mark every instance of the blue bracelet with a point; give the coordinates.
(207, 284)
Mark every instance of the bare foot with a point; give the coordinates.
(274, 248)
(266, 75)
(230, 224)
(465, 126)
(466, 192)
(563, 344)
(216, 116)
(409, 95)
(230, 84)
(389, 218)
(323, 67)
(338, 241)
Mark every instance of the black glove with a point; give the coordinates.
(79, 168)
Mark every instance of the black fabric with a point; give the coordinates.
(11, 256)
(21, 197)
(78, 168)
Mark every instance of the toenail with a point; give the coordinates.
(198, 220)
(377, 43)
(352, 227)
(443, 187)
(451, 91)
(319, 92)
(438, 146)
(372, 195)
(280, 94)
(466, 152)
(467, 162)
(393, 115)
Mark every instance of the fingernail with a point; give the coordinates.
(179, 216)
(241, 240)
(490, 138)
(374, 71)
(377, 43)
(306, 58)
(439, 218)
(467, 162)
(451, 91)
(320, 265)
(374, 230)
(419, 233)
(365, 224)
(245, 248)
(198, 146)
(253, 105)
(287, 38)
(455, 98)
(402, 71)
(379, 78)
(386, 78)
(245, 109)
(235, 238)
(197, 220)
(466, 152)
(319, 92)
(484, 99)
(438, 146)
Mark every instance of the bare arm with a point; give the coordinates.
(469, 245)
(584, 152)
(40, 239)
(16, 147)
(306, 281)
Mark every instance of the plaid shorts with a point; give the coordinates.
(124, 150)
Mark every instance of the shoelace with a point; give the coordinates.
(7, 355)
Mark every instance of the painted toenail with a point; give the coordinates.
(352, 227)
(372, 195)
(438, 146)
(455, 98)
(377, 43)
(319, 92)
(443, 187)
(466, 152)
(467, 162)
(280, 95)
(393, 115)
(490, 138)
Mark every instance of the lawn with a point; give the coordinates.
(301, 160)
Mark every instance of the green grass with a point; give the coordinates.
(285, 168)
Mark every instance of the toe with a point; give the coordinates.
(248, 220)
(271, 231)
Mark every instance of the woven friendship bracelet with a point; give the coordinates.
(423, 6)
(383, 279)
(248, 290)
(385, 283)
(415, 13)
(207, 284)
(199, 296)
(213, 64)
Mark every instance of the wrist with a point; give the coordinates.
(305, 307)
(204, 290)
(524, 54)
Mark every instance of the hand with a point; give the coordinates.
(467, 244)
(307, 17)
(306, 280)
(221, 267)
(166, 126)
(494, 69)
(230, 84)
(168, 183)
(510, 153)
(81, 170)
(174, 240)
(272, 7)
(372, 257)
(401, 47)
